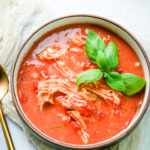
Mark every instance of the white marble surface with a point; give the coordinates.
(134, 15)
(18, 136)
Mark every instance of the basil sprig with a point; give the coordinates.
(90, 75)
(115, 81)
(106, 57)
(93, 44)
(133, 83)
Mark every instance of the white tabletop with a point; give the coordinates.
(18, 136)
(132, 14)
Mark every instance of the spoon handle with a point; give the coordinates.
(6, 130)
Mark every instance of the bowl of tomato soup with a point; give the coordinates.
(81, 82)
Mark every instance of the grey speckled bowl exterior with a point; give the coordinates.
(74, 19)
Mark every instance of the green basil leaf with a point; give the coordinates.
(115, 81)
(108, 59)
(90, 75)
(102, 61)
(133, 83)
(93, 44)
(111, 55)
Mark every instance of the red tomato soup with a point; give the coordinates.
(49, 95)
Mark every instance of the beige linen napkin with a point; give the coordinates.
(16, 18)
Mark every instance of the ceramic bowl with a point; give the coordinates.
(99, 21)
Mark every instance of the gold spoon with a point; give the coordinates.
(4, 85)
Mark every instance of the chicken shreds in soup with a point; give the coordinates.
(51, 99)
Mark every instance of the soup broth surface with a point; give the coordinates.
(49, 95)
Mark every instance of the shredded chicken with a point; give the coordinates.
(75, 49)
(51, 53)
(43, 74)
(106, 94)
(79, 39)
(116, 98)
(72, 101)
(91, 85)
(55, 53)
(89, 90)
(87, 95)
(75, 115)
(47, 88)
(67, 72)
(84, 136)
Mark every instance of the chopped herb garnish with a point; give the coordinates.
(56, 127)
(97, 98)
(135, 109)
